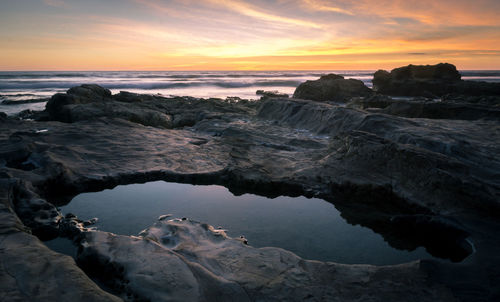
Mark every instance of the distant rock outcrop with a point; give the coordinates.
(331, 87)
(429, 81)
(271, 94)
(25, 101)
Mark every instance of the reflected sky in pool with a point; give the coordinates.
(311, 228)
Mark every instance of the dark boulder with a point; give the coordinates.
(441, 71)
(331, 87)
(87, 102)
(381, 79)
(56, 107)
(417, 80)
(429, 81)
(91, 91)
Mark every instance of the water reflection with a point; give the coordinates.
(312, 228)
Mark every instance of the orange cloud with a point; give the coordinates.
(450, 12)
(325, 6)
(259, 34)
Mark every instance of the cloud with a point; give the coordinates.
(450, 12)
(55, 3)
(320, 5)
(249, 10)
(260, 33)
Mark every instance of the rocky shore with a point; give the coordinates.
(420, 171)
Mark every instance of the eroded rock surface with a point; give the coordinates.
(89, 102)
(30, 271)
(180, 259)
(403, 176)
(452, 108)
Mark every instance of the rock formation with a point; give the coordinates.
(429, 81)
(331, 87)
(26, 101)
(465, 109)
(179, 260)
(271, 94)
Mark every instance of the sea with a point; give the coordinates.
(30, 85)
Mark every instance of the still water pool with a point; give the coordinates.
(311, 228)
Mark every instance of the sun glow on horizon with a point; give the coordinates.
(247, 35)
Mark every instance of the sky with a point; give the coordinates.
(247, 35)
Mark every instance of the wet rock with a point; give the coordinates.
(178, 260)
(27, 101)
(426, 108)
(143, 116)
(29, 271)
(90, 222)
(32, 272)
(393, 146)
(331, 87)
(73, 228)
(40, 216)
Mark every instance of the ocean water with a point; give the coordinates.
(311, 228)
(21, 85)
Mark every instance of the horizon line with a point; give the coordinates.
(213, 70)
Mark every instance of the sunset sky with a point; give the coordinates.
(247, 35)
